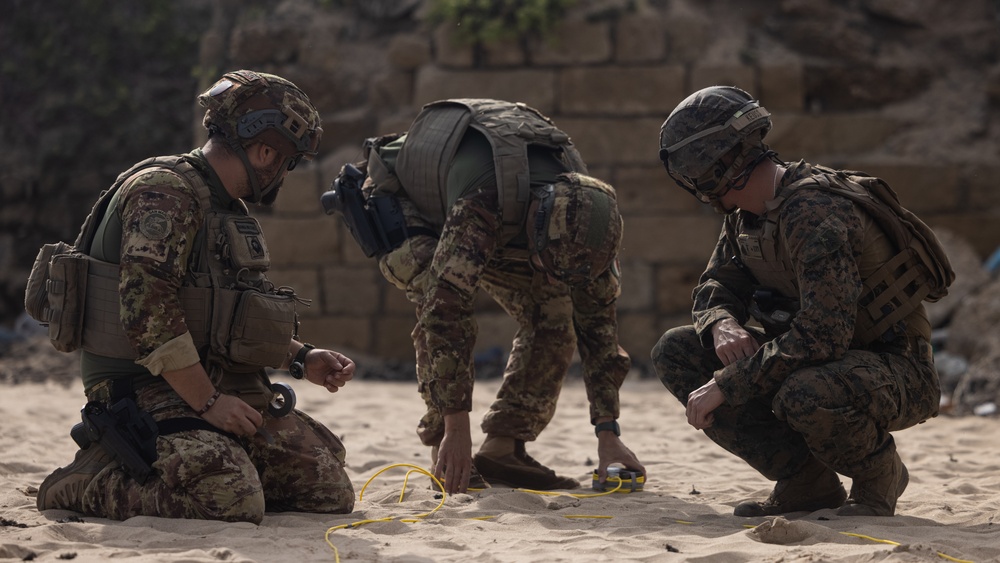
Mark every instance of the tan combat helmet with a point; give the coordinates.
(713, 139)
(574, 231)
(246, 106)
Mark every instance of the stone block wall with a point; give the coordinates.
(610, 83)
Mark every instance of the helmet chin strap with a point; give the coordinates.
(259, 193)
(251, 173)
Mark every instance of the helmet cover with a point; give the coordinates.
(245, 105)
(574, 228)
(703, 129)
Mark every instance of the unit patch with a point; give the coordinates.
(156, 225)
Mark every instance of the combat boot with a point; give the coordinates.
(877, 495)
(64, 488)
(520, 470)
(814, 487)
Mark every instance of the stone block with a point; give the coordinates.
(741, 76)
(640, 37)
(980, 229)
(797, 136)
(300, 241)
(392, 340)
(647, 190)
(394, 301)
(637, 334)
(782, 87)
(300, 192)
(671, 239)
(980, 186)
(392, 90)
(674, 285)
(408, 51)
(573, 42)
(352, 125)
(345, 334)
(614, 141)
(449, 50)
(621, 90)
(921, 188)
(688, 36)
(637, 286)
(505, 52)
(858, 132)
(495, 330)
(349, 290)
(533, 87)
(821, 137)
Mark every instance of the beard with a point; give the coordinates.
(264, 178)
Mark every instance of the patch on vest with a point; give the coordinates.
(156, 225)
(750, 247)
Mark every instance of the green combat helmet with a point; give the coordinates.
(713, 139)
(574, 232)
(245, 105)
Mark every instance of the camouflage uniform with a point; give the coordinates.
(200, 473)
(806, 391)
(442, 277)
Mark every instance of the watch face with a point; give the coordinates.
(296, 369)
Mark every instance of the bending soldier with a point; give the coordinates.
(496, 198)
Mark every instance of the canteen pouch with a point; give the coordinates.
(36, 295)
(65, 292)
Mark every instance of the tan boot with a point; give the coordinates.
(518, 469)
(64, 488)
(814, 487)
(877, 495)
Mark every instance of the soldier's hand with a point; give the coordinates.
(454, 462)
(329, 369)
(610, 449)
(702, 402)
(732, 341)
(233, 415)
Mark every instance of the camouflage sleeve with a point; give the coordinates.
(723, 290)
(823, 234)
(605, 363)
(160, 218)
(470, 237)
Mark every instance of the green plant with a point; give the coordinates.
(488, 21)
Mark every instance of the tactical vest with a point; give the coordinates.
(238, 320)
(904, 269)
(433, 138)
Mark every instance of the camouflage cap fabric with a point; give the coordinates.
(706, 126)
(574, 228)
(245, 105)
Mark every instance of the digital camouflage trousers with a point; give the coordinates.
(541, 351)
(208, 475)
(841, 412)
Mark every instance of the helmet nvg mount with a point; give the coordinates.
(698, 139)
(245, 105)
(574, 231)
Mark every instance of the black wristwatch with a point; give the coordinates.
(610, 425)
(298, 366)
